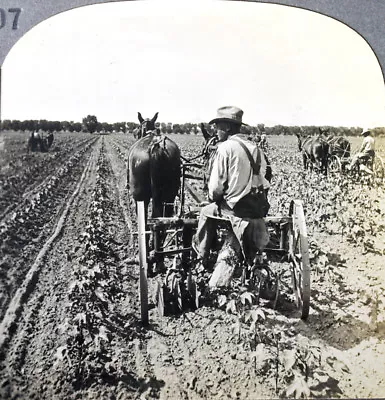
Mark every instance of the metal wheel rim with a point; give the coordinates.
(299, 258)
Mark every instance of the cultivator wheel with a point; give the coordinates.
(299, 258)
(143, 284)
(378, 169)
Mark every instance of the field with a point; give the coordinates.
(69, 302)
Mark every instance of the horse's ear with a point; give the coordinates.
(154, 117)
(206, 135)
(140, 118)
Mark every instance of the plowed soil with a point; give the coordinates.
(69, 300)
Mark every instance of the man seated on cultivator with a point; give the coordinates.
(366, 151)
(237, 187)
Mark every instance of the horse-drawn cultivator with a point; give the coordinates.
(166, 239)
(170, 239)
(372, 168)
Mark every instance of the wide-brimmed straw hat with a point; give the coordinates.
(229, 114)
(365, 130)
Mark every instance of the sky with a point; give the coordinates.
(186, 58)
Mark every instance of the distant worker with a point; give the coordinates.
(263, 142)
(366, 151)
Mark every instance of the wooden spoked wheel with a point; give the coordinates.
(143, 285)
(378, 169)
(334, 164)
(299, 257)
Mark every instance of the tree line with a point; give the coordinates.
(91, 124)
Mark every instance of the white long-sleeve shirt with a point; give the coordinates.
(367, 144)
(232, 175)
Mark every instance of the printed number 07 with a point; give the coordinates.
(3, 17)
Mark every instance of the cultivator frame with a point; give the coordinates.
(375, 169)
(178, 290)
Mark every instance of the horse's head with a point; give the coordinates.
(146, 125)
(211, 142)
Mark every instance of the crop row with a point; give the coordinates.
(94, 288)
(27, 225)
(25, 171)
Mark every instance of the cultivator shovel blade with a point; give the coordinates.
(192, 291)
(160, 299)
(176, 296)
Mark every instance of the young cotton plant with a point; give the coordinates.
(242, 306)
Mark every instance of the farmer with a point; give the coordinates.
(234, 185)
(366, 151)
(263, 141)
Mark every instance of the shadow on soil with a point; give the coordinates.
(330, 319)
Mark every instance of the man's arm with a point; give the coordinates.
(218, 177)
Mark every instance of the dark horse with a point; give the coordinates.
(315, 152)
(154, 169)
(36, 142)
(339, 146)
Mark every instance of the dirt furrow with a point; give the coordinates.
(117, 159)
(32, 347)
(37, 175)
(27, 285)
(26, 231)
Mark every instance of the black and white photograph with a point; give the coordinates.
(192, 200)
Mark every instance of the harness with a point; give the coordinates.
(160, 141)
(337, 147)
(255, 165)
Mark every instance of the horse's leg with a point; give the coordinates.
(146, 204)
(157, 206)
(304, 161)
(159, 235)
